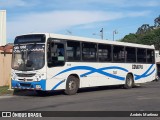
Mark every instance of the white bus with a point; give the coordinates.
(46, 62)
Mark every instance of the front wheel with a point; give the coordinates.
(129, 82)
(72, 85)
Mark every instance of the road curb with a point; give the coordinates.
(3, 97)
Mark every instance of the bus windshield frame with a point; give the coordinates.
(33, 38)
(28, 57)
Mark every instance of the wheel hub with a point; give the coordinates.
(72, 85)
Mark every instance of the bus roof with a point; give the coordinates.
(85, 39)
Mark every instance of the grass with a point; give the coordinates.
(4, 90)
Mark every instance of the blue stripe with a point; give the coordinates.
(58, 84)
(92, 70)
(101, 71)
(105, 73)
(137, 77)
(76, 68)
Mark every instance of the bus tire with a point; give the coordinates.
(129, 82)
(72, 85)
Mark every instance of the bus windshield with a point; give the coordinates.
(28, 57)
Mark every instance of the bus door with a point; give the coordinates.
(55, 61)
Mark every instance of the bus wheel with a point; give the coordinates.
(72, 85)
(129, 82)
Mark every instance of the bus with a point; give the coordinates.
(47, 62)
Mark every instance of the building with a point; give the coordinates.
(5, 64)
(157, 58)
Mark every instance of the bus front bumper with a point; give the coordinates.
(35, 85)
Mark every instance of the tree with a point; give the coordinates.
(132, 38)
(148, 38)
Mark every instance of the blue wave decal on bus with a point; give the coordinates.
(145, 73)
(58, 84)
(93, 70)
(101, 71)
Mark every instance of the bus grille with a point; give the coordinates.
(25, 85)
(26, 80)
(25, 75)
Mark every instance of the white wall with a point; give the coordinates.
(157, 55)
(2, 27)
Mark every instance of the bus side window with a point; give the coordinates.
(73, 51)
(56, 55)
(150, 56)
(89, 52)
(130, 54)
(104, 53)
(141, 55)
(118, 54)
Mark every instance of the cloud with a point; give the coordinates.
(141, 3)
(17, 3)
(126, 3)
(137, 14)
(11, 3)
(61, 20)
(73, 4)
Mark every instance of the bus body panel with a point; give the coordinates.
(98, 74)
(90, 74)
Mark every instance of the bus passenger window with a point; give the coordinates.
(130, 54)
(73, 51)
(141, 55)
(56, 54)
(118, 54)
(104, 53)
(89, 52)
(150, 56)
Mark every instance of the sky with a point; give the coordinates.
(83, 18)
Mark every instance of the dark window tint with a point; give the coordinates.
(73, 51)
(37, 38)
(118, 54)
(130, 54)
(104, 52)
(141, 55)
(89, 52)
(55, 54)
(150, 56)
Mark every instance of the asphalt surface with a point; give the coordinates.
(143, 98)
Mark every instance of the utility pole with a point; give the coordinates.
(114, 32)
(101, 33)
(2, 27)
(69, 32)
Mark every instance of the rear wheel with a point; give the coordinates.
(129, 82)
(72, 85)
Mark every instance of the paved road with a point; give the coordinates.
(144, 98)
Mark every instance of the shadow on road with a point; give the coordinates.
(32, 93)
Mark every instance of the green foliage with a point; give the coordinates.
(4, 90)
(132, 38)
(148, 38)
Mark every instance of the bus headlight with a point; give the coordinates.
(38, 77)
